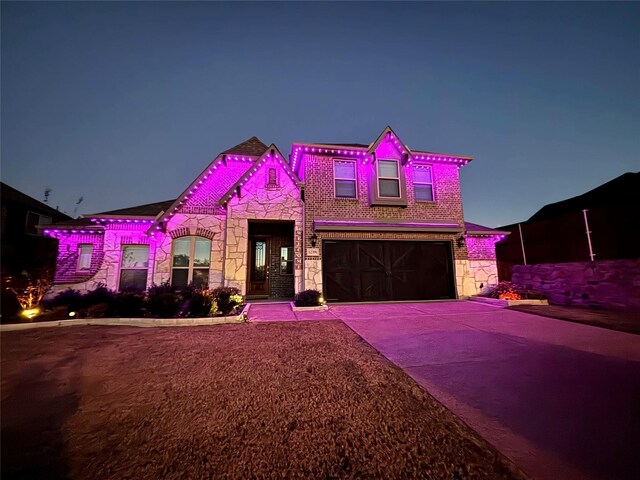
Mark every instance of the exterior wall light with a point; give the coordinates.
(314, 239)
(460, 241)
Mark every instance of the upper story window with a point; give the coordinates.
(388, 179)
(85, 251)
(133, 267)
(423, 183)
(190, 261)
(344, 175)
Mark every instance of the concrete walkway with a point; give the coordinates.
(281, 312)
(562, 400)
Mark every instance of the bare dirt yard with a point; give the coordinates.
(271, 400)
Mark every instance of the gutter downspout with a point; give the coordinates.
(224, 246)
(304, 238)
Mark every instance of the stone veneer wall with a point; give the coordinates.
(257, 202)
(613, 284)
(204, 225)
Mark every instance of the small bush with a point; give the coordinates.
(99, 310)
(56, 313)
(199, 303)
(164, 300)
(513, 291)
(128, 304)
(70, 298)
(226, 300)
(308, 298)
(99, 295)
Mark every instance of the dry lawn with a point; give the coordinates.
(278, 400)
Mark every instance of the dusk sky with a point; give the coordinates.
(125, 103)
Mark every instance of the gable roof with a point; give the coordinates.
(389, 134)
(619, 192)
(146, 210)
(271, 150)
(475, 229)
(227, 172)
(252, 147)
(364, 151)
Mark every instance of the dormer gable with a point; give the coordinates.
(271, 179)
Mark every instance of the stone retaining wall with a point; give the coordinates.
(613, 284)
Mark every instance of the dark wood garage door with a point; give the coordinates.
(370, 270)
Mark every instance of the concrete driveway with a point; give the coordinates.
(562, 400)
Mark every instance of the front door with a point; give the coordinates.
(259, 261)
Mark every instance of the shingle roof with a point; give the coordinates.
(620, 191)
(474, 228)
(146, 210)
(253, 147)
(74, 222)
(10, 193)
(355, 145)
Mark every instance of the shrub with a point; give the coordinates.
(99, 310)
(513, 291)
(164, 300)
(308, 298)
(225, 300)
(70, 298)
(128, 304)
(199, 303)
(57, 313)
(99, 295)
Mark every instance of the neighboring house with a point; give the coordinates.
(24, 249)
(557, 232)
(358, 222)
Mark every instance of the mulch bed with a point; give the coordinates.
(612, 319)
(270, 400)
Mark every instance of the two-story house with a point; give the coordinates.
(357, 222)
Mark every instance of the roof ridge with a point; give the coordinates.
(253, 147)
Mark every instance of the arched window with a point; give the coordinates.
(190, 261)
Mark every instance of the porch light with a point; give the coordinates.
(460, 241)
(314, 239)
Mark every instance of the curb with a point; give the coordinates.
(132, 322)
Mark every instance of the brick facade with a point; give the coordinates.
(234, 191)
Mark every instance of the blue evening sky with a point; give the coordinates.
(125, 103)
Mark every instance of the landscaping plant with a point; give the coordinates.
(199, 303)
(308, 298)
(225, 300)
(128, 304)
(513, 291)
(164, 300)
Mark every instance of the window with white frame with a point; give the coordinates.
(133, 267)
(190, 262)
(388, 179)
(85, 250)
(344, 175)
(423, 183)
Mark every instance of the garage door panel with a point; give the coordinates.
(373, 286)
(387, 270)
(370, 256)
